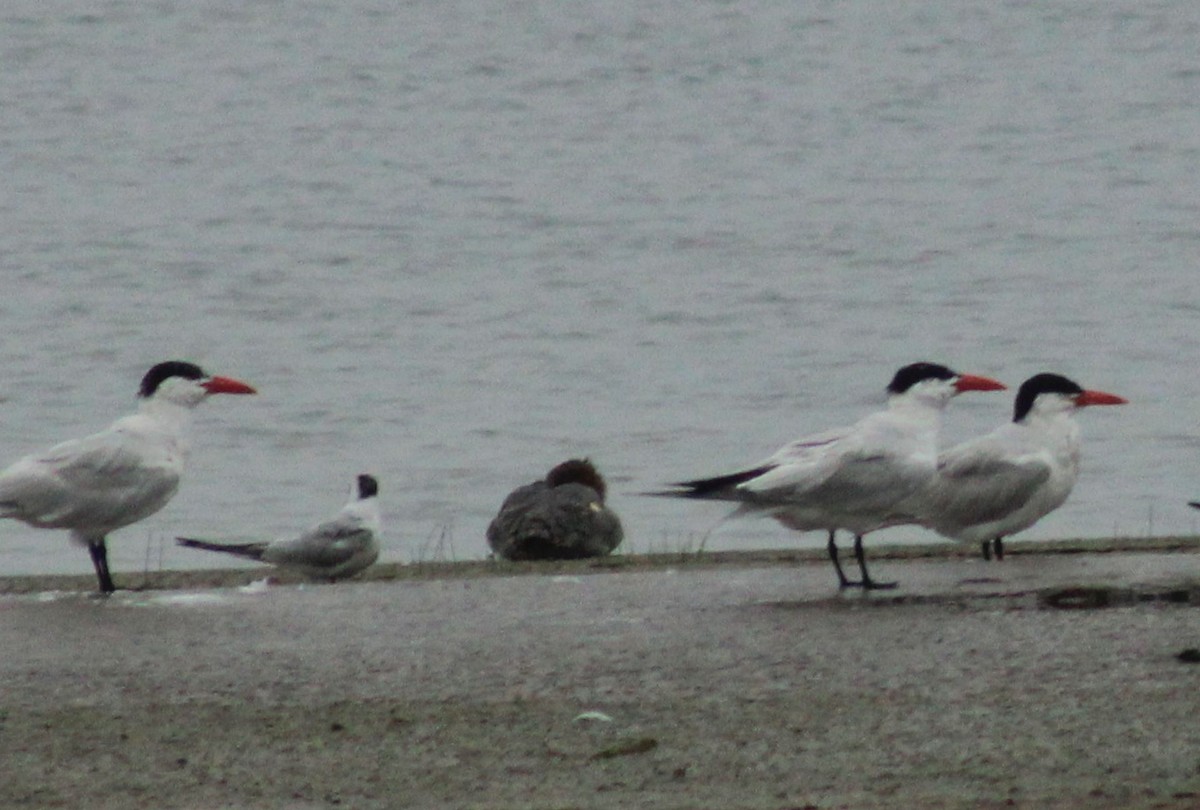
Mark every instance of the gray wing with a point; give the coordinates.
(866, 486)
(977, 488)
(106, 479)
(856, 479)
(869, 482)
(797, 466)
(327, 545)
(804, 468)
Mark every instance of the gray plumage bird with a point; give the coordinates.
(334, 549)
(561, 517)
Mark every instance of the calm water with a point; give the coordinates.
(454, 244)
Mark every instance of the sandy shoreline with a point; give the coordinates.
(733, 682)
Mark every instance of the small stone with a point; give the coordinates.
(623, 749)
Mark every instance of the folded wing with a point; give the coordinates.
(100, 482)
(977, 488)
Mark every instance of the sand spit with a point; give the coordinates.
(736, 681)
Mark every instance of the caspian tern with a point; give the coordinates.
(560, 517)
(333, 549)
(1004, 482)
(850, 478)
(101, 483)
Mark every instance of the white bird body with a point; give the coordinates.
(333, 549)
(854, 477)
(109, 480)
(1006, 481)
(105, 481)
(849, 478)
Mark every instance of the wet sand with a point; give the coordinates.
(733, 681)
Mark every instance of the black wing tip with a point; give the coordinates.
(1194, 504)
(716, 487)
(671, 493)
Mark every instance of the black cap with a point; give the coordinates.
(164, 371)
(368, 487)
(1042, 384)
(912, 374)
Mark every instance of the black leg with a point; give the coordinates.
(867, 582)
(99, 552)
(999, 548)
(837, 566)
(986, 546)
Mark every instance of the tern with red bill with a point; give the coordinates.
(850, 478)
(98, 484)
(995, 485)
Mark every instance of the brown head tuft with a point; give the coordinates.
(577, 471)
